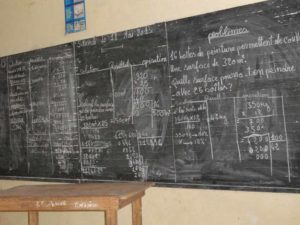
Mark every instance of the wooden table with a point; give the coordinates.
(107, 197)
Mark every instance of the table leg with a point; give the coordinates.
(137, 212)
(33, 218)
(111, 217)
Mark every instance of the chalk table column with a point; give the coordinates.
(107, 197)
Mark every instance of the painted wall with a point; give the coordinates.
(30, 24)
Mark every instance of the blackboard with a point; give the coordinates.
(210, 101)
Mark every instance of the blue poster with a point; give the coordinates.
(75, 16)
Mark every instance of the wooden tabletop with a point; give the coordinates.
(71, 196)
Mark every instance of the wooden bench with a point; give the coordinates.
(107, 197)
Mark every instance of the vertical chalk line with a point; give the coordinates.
(152, 119)
(29, 89)
(287, 141)
(49, 118)
(113, 92)
(236, 130)
(271, 155)
(172, 116)
(77, 109)
(132, 94)
(209, 131)
(140, 158)
(8, 101)
(31, 111)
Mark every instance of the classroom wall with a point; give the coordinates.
(31, 24)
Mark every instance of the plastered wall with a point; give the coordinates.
(29, 24)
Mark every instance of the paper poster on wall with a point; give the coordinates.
(75, 19)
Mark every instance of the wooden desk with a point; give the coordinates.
(108, 197)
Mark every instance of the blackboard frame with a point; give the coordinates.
(132, 36)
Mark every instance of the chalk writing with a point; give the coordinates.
(209, 100)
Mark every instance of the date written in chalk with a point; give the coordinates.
(77, 204)
(50, 204)
(85, 204)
